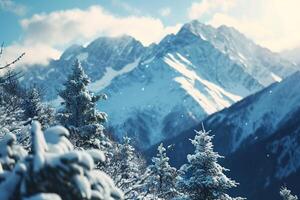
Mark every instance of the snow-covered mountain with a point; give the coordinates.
(263, 167)
(185, 78)
(260, 137)
(158, 91)
(260, 62)
(101, 55)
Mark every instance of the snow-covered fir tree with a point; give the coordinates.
(127, 168)
(35, 109)
(11, 111)
(18, 106)
(52, 169)
(286, 194)
(32, 103)
(162, 182)
(11, 114)
(202, 177)
(79, 114)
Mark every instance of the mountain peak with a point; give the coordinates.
(118, 40)
(195, 23)
(196, 27)
(72, 50)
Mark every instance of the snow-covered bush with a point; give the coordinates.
(202, 177)
(52, 170)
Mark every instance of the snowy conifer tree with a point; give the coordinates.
(286, 194)
(11, 114)
(52, 170)
(80, 114)
(162, 182)
(79, 102)
(32, 103)
(12, 117)
(35, 109)
(203, 177)
(126, 168)
(129, 169)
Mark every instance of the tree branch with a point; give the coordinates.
(1, 49)
(13, 62)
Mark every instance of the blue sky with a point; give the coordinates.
(10, 18)
(44, 28)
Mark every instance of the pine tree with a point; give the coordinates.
(203, 177)
(11, 114)
(80, 114)
(35, 109)
(286, 194)
(129, 169)
(32, 103)
(162, 182)
(126, 168)
(52, 169)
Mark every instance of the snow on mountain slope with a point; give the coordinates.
(103, 56)
(259, 136)
(257, 116)
(263, 111)
(182, 81)
(248, 121)
(217, 94)
(258, 61)
(273, 160)
(110, 74)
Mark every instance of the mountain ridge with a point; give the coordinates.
(197, 77)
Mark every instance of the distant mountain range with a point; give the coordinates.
(157, 92)
(260, 137)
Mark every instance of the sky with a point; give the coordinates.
(44, 28)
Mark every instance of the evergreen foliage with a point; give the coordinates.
(162, 182)
(287, 195)
(52, 170)
(203, 177)
(35, 109)
(79, 114)
(79, 102)
(127, 168)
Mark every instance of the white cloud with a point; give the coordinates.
(34, 54)
(60, 29)
(206, 7)
(64, 27)
(165, 12)
(10, 6)
(270, 23)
